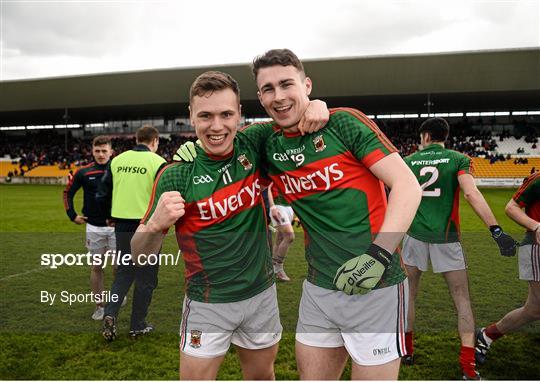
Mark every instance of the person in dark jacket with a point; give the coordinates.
(99, 237)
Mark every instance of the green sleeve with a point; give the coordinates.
(362, 136)
(465, 165)
(258, 133)
(526, 194)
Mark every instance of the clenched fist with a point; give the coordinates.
(169, 209)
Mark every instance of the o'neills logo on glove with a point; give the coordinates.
(318, 180)
(215, 209)
(355, 277)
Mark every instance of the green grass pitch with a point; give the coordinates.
(38, 341)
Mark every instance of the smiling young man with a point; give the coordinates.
(216, 207)
(99, 236)
(355, 297)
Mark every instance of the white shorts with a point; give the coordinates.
(99, 239)
(529, 262)
(208, 329)
(444, 257)
(370, 326)
(287, 216)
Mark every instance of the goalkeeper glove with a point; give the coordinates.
(360, 274)
(186, 152)
(507, 245)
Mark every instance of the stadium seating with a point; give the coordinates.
(503, 169)
(6, 167)
(511, 145)
(47, 171)
(482, 169)
(44, 152)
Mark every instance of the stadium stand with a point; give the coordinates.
(45, 154)
(511, 145)
(500, 150)
(7, 166)
(504, 169)
(51, 171)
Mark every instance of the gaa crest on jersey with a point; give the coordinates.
(319, 144)
(195, 339)
(245, 162)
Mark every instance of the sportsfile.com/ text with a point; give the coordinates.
(55, 260)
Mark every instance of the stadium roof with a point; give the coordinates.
(456, 82)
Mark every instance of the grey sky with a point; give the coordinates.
(55, 38)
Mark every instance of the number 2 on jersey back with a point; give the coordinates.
(436, 192)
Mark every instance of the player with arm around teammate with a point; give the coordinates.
(99, 237)
(354, 299)
(524, 209)
(434, 234)
(216, 208)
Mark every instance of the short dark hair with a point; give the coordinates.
(101, 140)
(283, 57)
(146, 134)
(212, 81)
(437, 128)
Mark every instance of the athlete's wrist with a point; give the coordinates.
(273, 207)
(152, 227)
(380, 254)
(495, 230)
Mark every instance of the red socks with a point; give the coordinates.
(409, 346)
(493, 333)
(466, 355)
(467, 362)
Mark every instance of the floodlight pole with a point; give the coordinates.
(66, 119)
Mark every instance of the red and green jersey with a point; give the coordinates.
(437, 170)
(528, 197)
(278, 198)
(325, 176)
(223, 233)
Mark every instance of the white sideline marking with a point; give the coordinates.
(23, 273)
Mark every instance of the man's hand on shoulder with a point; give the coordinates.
(169, 209)
(186, 152)
(315, 117)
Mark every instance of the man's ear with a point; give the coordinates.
(190, 116)
(309, 85)
(259, 96)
